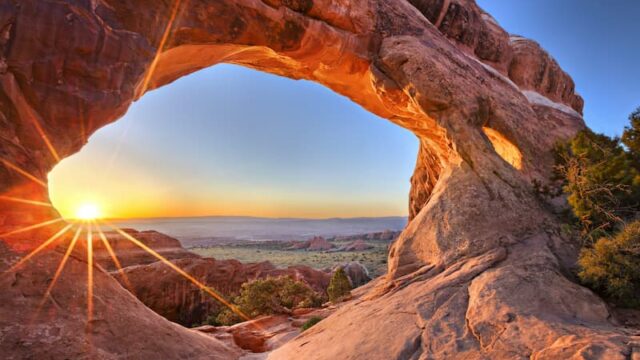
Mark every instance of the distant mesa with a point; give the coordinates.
(317, 243)
(357, 242)
(386, 235)
(357, 245)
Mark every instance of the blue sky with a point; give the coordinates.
(596, 41)
(233, 141)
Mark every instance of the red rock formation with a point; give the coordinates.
(175, 298)
(358, 245)
(317, 243)
(479, 270)
(386, 235)
(130, 254)
(121, 325)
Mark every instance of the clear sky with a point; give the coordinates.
(232, 141)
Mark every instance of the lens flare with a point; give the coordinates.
(114, 258)
(63, 262)
(31, 227)
(89, 273)
(182, 273)
(23, 172)
(88, 212)
(42, 246)
(25, 201)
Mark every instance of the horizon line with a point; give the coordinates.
(255, 217)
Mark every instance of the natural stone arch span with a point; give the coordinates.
(479, 270)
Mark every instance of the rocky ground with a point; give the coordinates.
(173, 297)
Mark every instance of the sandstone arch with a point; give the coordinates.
(481, 259)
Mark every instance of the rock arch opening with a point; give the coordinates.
(233, 143)
(508, 151)
(230, 141)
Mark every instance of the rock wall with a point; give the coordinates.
(129, 254)
(176, 299)
(479, 270)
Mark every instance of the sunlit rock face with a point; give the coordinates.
(477, 273)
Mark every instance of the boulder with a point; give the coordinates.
(357, 273)
(265, 333)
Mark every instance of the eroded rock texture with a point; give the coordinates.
(129, 254)
(121, 327)
(480, 270)
(176, 299)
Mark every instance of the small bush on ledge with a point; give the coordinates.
(339, 286)
(612, 266)
(309, 323)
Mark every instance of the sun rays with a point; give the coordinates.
(92, 228)
(63, 262)
(89, 273)
(86, 221)
(23, 172)
(31, 227)
(87, 217)
(114, 258)
(42, 246)
(183, 273)
(163, 41)
(25, 201)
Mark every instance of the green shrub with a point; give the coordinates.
(309, 323)
(612, 266)
(601, 180)
(339, 286)
(631, 135)
(212, 319)
(272, 295)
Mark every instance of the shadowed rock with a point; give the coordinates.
(57, 327)
(175, 298)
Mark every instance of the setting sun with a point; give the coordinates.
(88, 212)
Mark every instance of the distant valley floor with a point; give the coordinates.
(374, 259)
